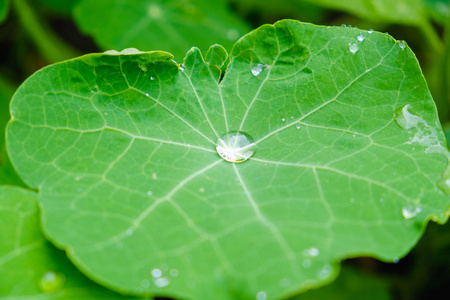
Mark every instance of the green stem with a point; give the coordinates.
(52, 48)
(432, 36)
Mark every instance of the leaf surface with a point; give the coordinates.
(25, 256)
(408, 12)
(4, 8)
(168, 25)
(122, 150)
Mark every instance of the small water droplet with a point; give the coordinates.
(129, 232)
(298, 126)
(261, 296)
(145, 283)
(149, 193)
(174, 272)
(190, 284)
(370, 31)
(201, 190)
(258, 68)
(152, 78)
(162, 282)
(292, 117)
(307, 263)
(119, 245)
(402, 44)
(78, 178)
(232, 34)
(156, 273)
(343, 25)
(164, 267)
(353, 47)
(395, 260)
(410, 211)
(52, 282)
(143, 68)
(181, 67)
(283, 119)
(325, 272)
(154, 176)
(235, 147)
(311, 252)
(354, 135)
(381, 200)
(284, 282)
(360, 37)
(147, 94)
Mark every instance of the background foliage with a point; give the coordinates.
(36, 33)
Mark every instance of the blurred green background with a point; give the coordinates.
(35, 33)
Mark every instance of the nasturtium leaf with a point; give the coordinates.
(30, 267)
(169, 25)
(349, 151)
(4, 8)
(408, 12)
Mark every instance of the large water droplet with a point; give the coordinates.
(235, 146)
(162, 282)
(410, 211)
(258, 68)
(52, 282)
(156, 273)
(360, 37)
(353, 47)
(261, 296)
(402, 44)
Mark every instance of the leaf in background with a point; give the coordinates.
(65, 6)
(408, 12)
(4, 8)
(169, 25)
(7, 172)
(122, 149)
(352, 284)
(30, 267)
(439, 10)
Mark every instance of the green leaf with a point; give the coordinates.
(4, 8)
(8, 175)
(408, 12)
(352, 284)
(122, 150)
(65, 6)
(28, 262)
(168, 25)
(439, 10)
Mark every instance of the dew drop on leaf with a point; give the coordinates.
(261, 296)
(162, 282)
(174, 272)
(298, 126)
(361, 37)
(52, 282)
(325, 271)
(143, 68)
(311, 252)
(156, 273)
(353, 47)
(235, 146)
(410, 211)
(258, 68)
(307, 263)
(145, 283)
(402, 44)
(370, 31)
